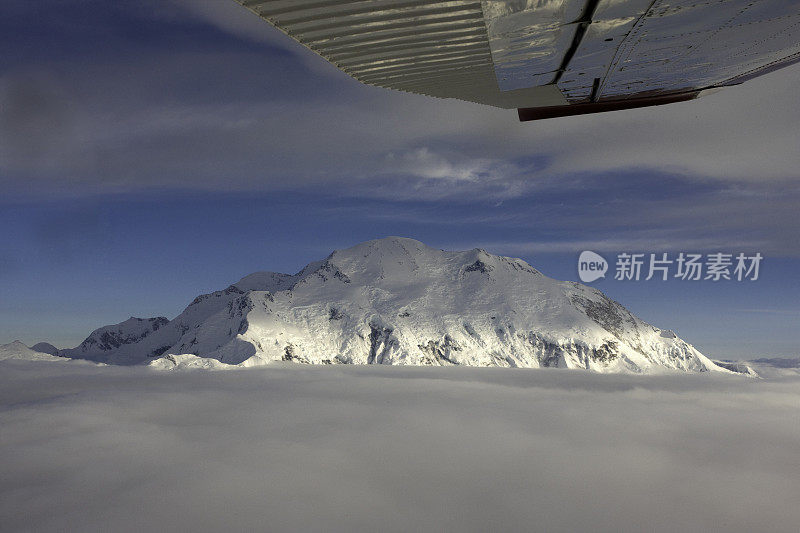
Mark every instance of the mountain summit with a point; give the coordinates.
(398, 301)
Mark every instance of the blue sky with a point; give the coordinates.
(154, 150)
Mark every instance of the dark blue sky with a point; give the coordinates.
(151, 151)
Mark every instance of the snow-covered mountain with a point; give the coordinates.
(398, 301)
(17, 350)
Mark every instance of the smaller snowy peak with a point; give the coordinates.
(18, 350)
(15, 345)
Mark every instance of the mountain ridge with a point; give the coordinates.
(397, 301)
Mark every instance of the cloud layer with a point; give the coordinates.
(394, 449)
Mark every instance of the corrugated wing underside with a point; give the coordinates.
(545, 53)
(426, 47)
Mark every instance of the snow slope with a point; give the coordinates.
(398, 301)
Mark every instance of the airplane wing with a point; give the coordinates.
(547, 58)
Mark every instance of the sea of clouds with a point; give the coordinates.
(92, 448)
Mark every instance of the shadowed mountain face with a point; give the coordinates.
(45, 347)
(397, 301)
